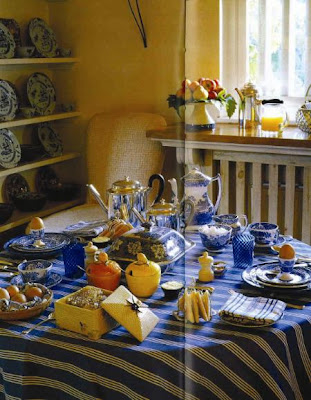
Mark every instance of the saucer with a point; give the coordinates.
(281, 240)
(52, 280)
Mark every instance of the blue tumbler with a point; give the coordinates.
(73, 255)
(243, 245)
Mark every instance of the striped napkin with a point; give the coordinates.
(83, 228)
(252, 311)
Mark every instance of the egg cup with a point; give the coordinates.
(287, 266)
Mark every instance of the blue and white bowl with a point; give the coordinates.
(265, 233)
(215, 237)
(35, 270)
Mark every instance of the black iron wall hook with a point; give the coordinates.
(139, 23)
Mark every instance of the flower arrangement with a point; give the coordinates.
(203, 90)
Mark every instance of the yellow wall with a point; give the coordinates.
(202, 39)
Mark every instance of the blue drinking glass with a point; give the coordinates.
(243, 245)
(73, 255)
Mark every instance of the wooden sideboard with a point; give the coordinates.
(265, 175)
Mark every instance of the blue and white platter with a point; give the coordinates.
(8, 101)
(249, 276)
(50, 140)
(10, 149)
(53, 280)
(23, 246)
(7, 43)
(41, 93)
(42, 37)
(269, 274)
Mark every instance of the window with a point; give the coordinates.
(269, 43)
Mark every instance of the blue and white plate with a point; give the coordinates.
(50, 140)
(52, 280)
(269, 274)
(8, 101)
(41, 93)
(7, 43)
(42, 37)
(10, 149)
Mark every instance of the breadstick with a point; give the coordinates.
(203, 313)
(195, 306)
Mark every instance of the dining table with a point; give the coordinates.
(177, 360)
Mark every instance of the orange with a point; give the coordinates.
(33, 291)
(13, 290)
(287, 251)
(19, 298)
(4, 294)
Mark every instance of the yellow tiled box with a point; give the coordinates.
(89, 322)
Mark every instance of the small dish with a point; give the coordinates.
(6, 210)
(172, 288)
(53, 280)
(215, 237)
(29, 201)
(24, 51)
(35, 270)
(28, 112)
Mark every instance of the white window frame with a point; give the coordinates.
(234, 52)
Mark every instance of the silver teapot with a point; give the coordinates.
(195, 189)
(168, 215)
(126, 194)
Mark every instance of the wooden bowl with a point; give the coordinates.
(32, 311)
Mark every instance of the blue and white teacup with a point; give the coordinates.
(232, 220)
(35, 270)
(265, 233)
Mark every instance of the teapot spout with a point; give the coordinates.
(97, 196)
(174, 198)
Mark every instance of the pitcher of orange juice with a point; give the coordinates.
(273, 115)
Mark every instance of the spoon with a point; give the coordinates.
(51, 316)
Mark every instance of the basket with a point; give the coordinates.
(303, 115)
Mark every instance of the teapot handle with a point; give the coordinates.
(217, 178)
(161, 180)
(183, 204)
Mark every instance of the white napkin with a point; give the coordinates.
(83, 228)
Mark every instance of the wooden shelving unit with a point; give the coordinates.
(20, 218)
(39, 163)
(35, 61)
(38, 120)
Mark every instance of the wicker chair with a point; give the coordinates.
(116, 147)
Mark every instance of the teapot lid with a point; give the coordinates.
(249, 89)
(162, 208)
(125, 185)
(196, 176)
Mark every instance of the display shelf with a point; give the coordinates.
(20, 218)
(36, 61)
(39, 163)
(38, 120)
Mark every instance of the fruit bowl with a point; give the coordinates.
(11, 310)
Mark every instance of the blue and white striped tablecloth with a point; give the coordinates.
(210, 360)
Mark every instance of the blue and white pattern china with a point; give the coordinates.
(41, 93)
(161, 245)
(50, 140)
(7, 43)
(10, 149)
(196, 186)
(265, 233)
(35, 270)
(243, 245)
(8, 101)
(43, 38)
(52, 242)
(53, 280)
(215, 237)
(232, 220)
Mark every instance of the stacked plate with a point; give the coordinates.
(268, 276)
(25, 246)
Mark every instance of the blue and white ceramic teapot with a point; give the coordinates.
(195, 189)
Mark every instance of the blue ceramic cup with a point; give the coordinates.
(243, 245)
